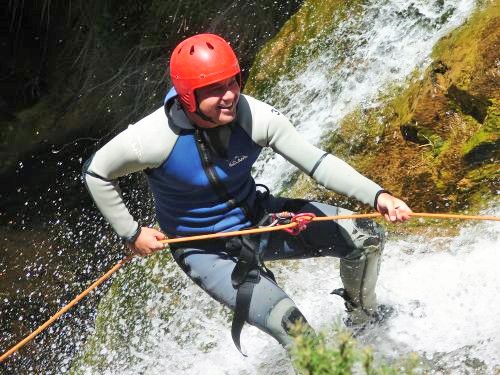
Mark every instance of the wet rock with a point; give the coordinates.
(487, 151)
(438, 67)
(474, 105)
(447, 125)
(410, 132)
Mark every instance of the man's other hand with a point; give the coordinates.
(393, 209)
(148, 242)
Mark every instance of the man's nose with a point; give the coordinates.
(229, 95)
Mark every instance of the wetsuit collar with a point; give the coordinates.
(174, 111)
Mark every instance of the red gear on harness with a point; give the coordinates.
(303, 219)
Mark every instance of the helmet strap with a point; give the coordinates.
(199, 112)
(202, 115)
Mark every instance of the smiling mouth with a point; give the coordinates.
(227, 107)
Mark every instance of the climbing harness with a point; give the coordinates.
(246, 274)
(250, 265)
(281, 221)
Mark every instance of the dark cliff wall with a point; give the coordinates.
(74, 73)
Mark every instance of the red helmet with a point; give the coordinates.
(199, 61)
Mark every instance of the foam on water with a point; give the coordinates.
(445, 291)
(449, 299)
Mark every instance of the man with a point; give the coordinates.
(197, 152)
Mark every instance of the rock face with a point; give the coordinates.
(447, 146)
(434, 142)
(303, 35)
(75, 73)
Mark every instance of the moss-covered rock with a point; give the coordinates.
(433, 142)
(484, 144)
(302, 38)
(121, 311)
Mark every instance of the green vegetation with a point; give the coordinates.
(317, 355)
(486, 138)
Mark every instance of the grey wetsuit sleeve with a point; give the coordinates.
(271, 128)
(143, 145)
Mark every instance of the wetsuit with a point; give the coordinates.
(201, 182)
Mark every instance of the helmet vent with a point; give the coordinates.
(191, 51)
(179, 51)
(210, 46)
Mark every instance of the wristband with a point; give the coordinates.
(133, 237)
(376, 196)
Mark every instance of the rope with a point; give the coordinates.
(320, 218)
(125, 260)
(455, 216)
(53, 318)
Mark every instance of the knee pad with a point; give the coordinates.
(281, 319)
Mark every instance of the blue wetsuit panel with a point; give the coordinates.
(186, 202)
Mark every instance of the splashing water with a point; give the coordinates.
(385, 44)
(448, 310)
(443, 288)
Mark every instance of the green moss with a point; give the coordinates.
(447, 131)
(462, 48)
(492, 120)
(484, 142)
(357, 132)
(480, 187)
(435, 141)
(481, 137)
(445, 147)
(301, 39)
(403, 98)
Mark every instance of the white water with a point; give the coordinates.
(457, 289)
(445, 290)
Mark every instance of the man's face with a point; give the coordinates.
(218, 102)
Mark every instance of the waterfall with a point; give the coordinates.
(443, 288)
(385, 44)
